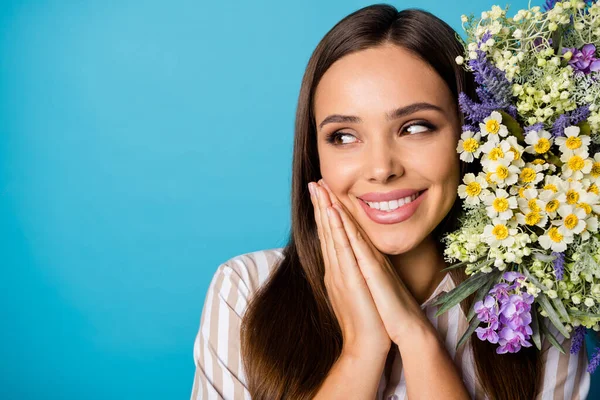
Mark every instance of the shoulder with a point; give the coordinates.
(249, 270)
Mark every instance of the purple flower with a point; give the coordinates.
(500, 291)
(493, 89)
(511, 341)
(488, 334)
(583, 60)
(535, 127)
(512, 275)
(578, 337)
(486, 308)
(559, 263)
(594, 361)
(570, 118)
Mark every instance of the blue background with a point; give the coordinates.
(142, 144)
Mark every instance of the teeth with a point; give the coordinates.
(392, 205)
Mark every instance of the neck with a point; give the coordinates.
(420, 269)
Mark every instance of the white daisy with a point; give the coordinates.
(572, 220)
(500, 204)
(552, 200)
(517, 150)
(531, 174)
(469, 146)
(503, 173)
(494, 151)
(492, 127)
(572, 141)
(500, 233)
(539, 142)
(576, 164)
(554, 240)
(474, 190)
(594, 174)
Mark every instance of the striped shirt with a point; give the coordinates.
(219, 370)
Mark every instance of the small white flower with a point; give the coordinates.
(469, 146)
(572, 142)
(459, 60)
(572, 222)
(594, 174)
(576, 164)
(474, 189)
(539, 142)
(503, 173)
(492, 127)
(517, 150)
(500, 233)
(554, 240)
(500, 205)
(495, 151)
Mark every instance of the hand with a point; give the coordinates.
(397, 307)
(363, 331)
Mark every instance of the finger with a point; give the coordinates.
(323, 204)
(363, 252)
(317, 210)
(343, 247)
(334, 200)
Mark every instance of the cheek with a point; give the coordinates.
(339, 172)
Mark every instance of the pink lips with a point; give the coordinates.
(400, 214)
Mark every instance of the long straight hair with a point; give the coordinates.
(290, 337)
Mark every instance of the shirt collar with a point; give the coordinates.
(444, 286)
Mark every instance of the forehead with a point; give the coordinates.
(377, 80)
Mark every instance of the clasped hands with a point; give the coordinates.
(372, 304)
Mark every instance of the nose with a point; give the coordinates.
(382, 163)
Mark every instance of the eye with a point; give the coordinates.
(418, 127)
(332, 138)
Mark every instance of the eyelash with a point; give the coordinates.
(334, 135)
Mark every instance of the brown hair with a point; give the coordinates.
(290, 336)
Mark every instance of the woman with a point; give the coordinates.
(344, 310)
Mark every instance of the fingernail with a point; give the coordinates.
(320, 182)
(310, 189)
(329, 211)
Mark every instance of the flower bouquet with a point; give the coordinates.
(528, 234)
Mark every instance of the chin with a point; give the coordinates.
(395, 244)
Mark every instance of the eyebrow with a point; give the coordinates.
(394, 114)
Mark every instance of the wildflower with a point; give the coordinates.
(469, 146)
(584, 60)
(474, 189)
(500, 233)
(500, 204)
(492, 127)
(554, 240)
(539, 142)
(572, 142)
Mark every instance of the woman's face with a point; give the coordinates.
(395, 130)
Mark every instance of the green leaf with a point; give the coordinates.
(512, 125)
(577, 313)
(560, 308)
(552, 314)
(551, 337)
(463, 290)
(584, 128)
(472, 326)
(557, 38)
(535, 336)
(479, 296)
(534, 280)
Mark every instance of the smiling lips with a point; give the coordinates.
(392, 207)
